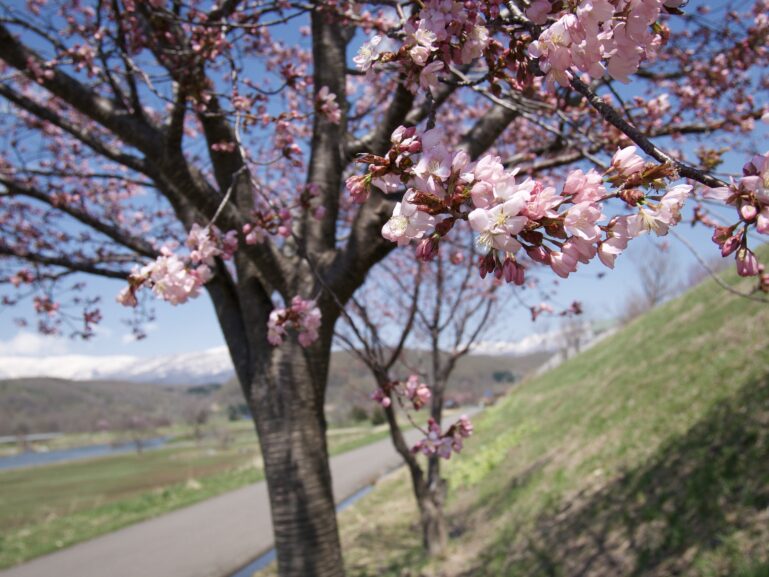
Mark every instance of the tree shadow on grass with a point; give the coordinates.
(700, 506)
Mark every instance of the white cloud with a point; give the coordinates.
(29, 343)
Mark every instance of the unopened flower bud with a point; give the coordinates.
(427, 249)
(731, 244)
(632, 196)
(538, 254)
(748, 212)
(487, 264)
(747, 264)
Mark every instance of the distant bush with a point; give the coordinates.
(378, 417)
(358, 414)
(503, 376)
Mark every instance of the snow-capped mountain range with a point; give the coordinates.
(199, 368)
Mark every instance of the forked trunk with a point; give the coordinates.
(435, 533)
(287, 403)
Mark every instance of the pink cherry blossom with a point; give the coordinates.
(417, 392)
(626, 162)
(358, 187)
(615, 243)
(581, 219)
(563, 263)
(368, 53)
(428, 77)
(254, 234)
(381, 397)
(302, 316)
(762, 221)
(407, 222)
(497, 225)
(202, 245)
(538, 11)
(585, 187)
(328, 106)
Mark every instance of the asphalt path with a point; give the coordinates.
(213, 538)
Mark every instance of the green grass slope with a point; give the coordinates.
(647, 455)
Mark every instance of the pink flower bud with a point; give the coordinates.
(538, 254)
(747, 264)
(380, 397)
(508, 269)
(730, 245)
(457, 257)
(427, 249)
(418, 393)
(520, 275)
(748, 212)
(627, 162)
(359, 190)
(487, 264)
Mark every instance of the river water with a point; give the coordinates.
(31, 459)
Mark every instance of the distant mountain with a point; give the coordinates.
(79, 391)
(186, 369)
(214, 365)
(45, 404)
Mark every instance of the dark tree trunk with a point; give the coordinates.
(435, 533)
(434, 526)
(287, 403)
(430, 495)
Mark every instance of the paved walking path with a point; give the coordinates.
(213, 538)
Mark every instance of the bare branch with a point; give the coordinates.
(86, 137)
(120, 236)
(64, 262)
(106, 112)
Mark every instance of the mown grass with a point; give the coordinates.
(46, 508)
(645, 455)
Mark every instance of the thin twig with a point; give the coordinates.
(713, 274)
(610, 114)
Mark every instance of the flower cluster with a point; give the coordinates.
(328, 106)
(441, 33)
(508, 214)
(176, 278)
(443, 444)
(276, 220)
(750, 197)
(435, 442)
(596, 36)
(417, 393)
(302, 316)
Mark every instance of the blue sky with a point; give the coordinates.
(193, 326)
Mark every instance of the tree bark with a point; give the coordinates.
(287, 403)
(435, 534)
(430, 495)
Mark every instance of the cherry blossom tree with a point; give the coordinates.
(189, 147)
(439, 308)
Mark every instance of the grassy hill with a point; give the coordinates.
(647, 455)
(45, 404)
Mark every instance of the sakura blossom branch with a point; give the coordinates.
(611, 115)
